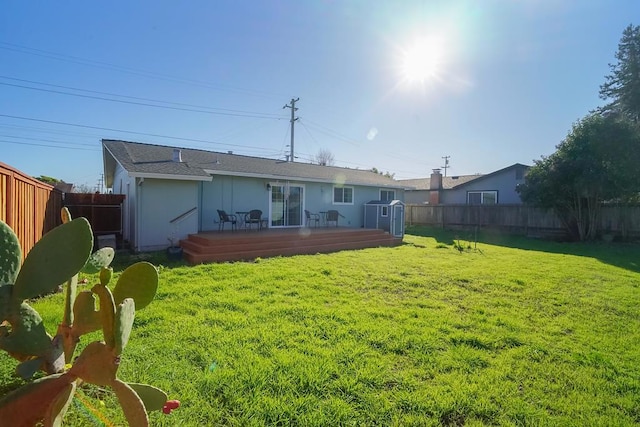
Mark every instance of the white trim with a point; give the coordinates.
(174, 177)
(386, 189)
(302, 202)
(333, 194)
(482, 193)
(292, 178)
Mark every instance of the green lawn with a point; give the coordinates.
(510, 331)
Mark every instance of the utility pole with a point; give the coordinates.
(446, 164)
(100, 184)
(293, 120)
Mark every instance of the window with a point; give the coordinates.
(343, 195)
(384, 211)
(482, 197)
(387, 195)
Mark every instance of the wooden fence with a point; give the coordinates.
(520, 219)
(28, 206)
(103, 211)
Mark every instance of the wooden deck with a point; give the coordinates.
(215, 246)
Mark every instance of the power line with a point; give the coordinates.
(131, 132)
(310, 135)
(47, 140)
(330, 133)
(140, 103)
(139, 98)
(47, 145)
(45, 130)
(128, 70)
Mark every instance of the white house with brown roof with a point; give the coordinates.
(172, 192)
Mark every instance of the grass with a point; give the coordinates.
(505, 331)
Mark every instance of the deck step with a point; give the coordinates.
(240, 245)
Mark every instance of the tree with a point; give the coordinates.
(324, 157)
(379, 172)
(49, 180)
(82, 188)
(595, 163)
(622, 86)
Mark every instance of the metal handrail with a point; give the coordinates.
(184, 215)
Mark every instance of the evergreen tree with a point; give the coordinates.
(597, 162)
(622, 86)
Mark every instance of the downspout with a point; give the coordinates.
(137, 222)
(200, 204)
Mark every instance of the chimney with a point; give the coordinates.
(435, 186)
(177, 155)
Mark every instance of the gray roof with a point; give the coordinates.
(451, 182)
(147, 160)
(448, 182)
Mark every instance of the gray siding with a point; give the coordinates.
(231, 194)
(504, 183)
(124, 184)
(416, 197)
(235, 194)
(160, 201)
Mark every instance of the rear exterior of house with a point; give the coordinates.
(171, 192)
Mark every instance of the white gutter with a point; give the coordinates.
(170, 176)
(293, 178)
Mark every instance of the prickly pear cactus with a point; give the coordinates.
(10, 255)
(57, 258)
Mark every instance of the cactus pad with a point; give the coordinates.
(5, 301)
(59, 405)
(125, 314)
(86, 317)
(29, 367)
(28, 335)
(65, 215)
(57, 257)
(97, 364)
(98, 259)
(132, 405)
(30, 402)
(140, 282)
(152, 397)
(10, 255)
(107, 313)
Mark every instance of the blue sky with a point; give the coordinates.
(502, 84)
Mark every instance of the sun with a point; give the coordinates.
(422, 62)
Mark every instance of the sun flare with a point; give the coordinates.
(422, 62)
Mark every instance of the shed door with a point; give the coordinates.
(397, 222)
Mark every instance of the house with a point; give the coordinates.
(497, 187)
(172, 192)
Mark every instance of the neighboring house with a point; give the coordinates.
(498, 187)
(172, 192)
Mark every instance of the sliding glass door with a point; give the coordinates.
(286, 205)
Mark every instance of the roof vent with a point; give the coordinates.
(177, 155)
(229, 152)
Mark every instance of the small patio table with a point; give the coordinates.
(323, 217)
(241, 215)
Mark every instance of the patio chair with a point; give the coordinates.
(332, 216)
(224, 218)
(253, 217)
(312, 217)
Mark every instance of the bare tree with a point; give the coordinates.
(325, 158)
(82, 188)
